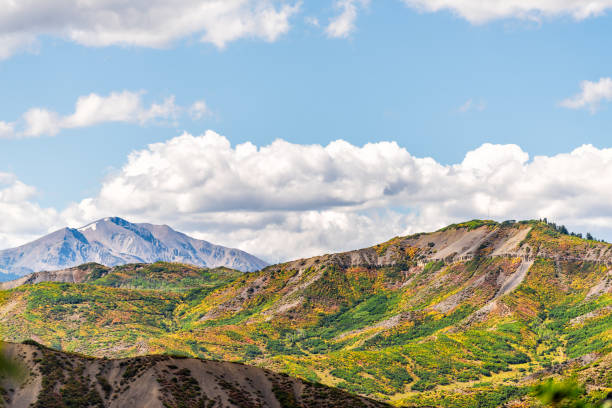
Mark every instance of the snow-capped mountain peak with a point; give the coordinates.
(114, 241)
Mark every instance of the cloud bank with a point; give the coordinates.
(288, 200)
(145, 23)
(159, 23)
(285, 200)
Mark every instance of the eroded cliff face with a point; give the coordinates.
(528, 240)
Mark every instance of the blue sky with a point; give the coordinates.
(439, 83)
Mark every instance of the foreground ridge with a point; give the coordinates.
(57, 379)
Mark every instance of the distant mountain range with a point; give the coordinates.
(115, 241)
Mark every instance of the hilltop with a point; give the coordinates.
(158, 275)
(114, 241)
(470, 315)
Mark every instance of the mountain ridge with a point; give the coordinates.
(113, 241)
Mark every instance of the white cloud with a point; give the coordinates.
(344, 24)
(470, 105)
(146, 23)
(198, 110)
(479, 11)
(22, 218)
(11, 43)
(117, 107)
(93, 109)
(591, 95)
(7, 130)
(286, 200)
(40, 122)
(313, 21)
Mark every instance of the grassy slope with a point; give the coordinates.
(371, 330)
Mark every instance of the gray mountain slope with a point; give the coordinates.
(115, 241)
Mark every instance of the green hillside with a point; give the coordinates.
(469, 316)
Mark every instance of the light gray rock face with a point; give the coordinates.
(115, 241)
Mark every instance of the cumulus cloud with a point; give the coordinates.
(344, 24)
(22, 218)
(146, 23)
(478, 11)
(93, 109)
(286, 200)
(591, 95)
